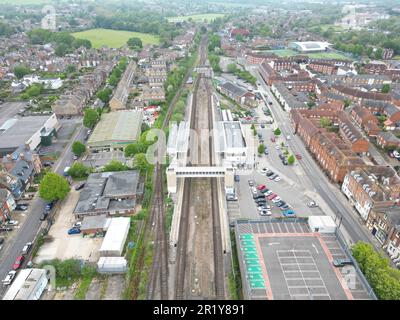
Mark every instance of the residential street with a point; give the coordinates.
(32, 224)
(337, 202)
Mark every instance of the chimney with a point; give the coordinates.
(22, 156)
(9, 157)
(27, 148)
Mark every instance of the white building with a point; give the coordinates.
(230, 142)
(309, 46)
(28, 285)
(33, 79)
(114, 241)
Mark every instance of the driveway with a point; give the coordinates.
(64, 246)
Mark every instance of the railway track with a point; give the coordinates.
(181, 254)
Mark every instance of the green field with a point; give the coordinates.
(197, 17)
(114, 38)
(317, 55)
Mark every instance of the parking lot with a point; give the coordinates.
(64, 246)
(283, 260)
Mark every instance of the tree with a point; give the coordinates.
(140, 162)
(114, 165)
(347, 103)
(291, 159)
(277, 132)
(261, 148)
(104, 95)
(78, 148)
(53, 187)
(61, 50)
(79, 170)
(21, 71)
(90, 118)
(253, 127)
(232, 68)
(386, 88)
(325, 122)
(113, 80)
(135, 43)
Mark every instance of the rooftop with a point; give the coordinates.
(117, 126)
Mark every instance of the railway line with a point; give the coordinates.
(202, 95)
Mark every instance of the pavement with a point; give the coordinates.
(29, 229)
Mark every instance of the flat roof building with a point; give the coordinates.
(114, 241)
(109, 193)
(28, 285)
(116, 130)
(309, 46)
(27, 131)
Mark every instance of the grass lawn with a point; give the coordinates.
(317, 55)
(114, 38)
(196, 17)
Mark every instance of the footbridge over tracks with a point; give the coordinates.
(175, 172)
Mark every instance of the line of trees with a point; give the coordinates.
(64, 41)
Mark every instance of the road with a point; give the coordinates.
(331, 195)
(32, 224)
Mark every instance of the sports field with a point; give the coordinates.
(196, 17)
(317, 55)
(114, 38)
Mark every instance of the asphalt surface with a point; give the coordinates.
(27, 232)
(331, 195)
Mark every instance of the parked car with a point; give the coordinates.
(288, 213)
(47, 163)
(262, 126)
(270, 173)
(77, 224)
(49, 205)
(1, 243)
(312, 204)
(237, 178)
(6, 229)
(27, 247)
(276, 199)
(251, 183)
(44, 216)
(277, 179)
(273, 176)
(288, 137)
(269, 192)
(231, 197)
(18, 262)
(258, 196)
(261, 186)
(74, 230)
(272, 196)
(265, 213)
(254, 190)
(12, 223)
(284, 207)
(280, 203)
(75, 157)
(341, 262)
(79, 186)
(265, 190)
(273, 139)
(298, 157)
(277, 147)
(266, 152)
(21, 207)
(264, 170)
(9, 278)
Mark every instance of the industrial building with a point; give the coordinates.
(112, 265)
(116, 130)
(231, 143)
(28, 131)
(109, 193)
(28, 285)
(114, 241)
(309, 46)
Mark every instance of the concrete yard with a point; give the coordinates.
(64, 246)
(283, 260)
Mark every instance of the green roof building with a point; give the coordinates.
(116, 130)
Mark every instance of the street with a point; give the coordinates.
(337, 202)
(32, 224)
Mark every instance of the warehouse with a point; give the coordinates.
(116, 130)
(309, 46)
(114, 241)
(28, 285)
(28, 131)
